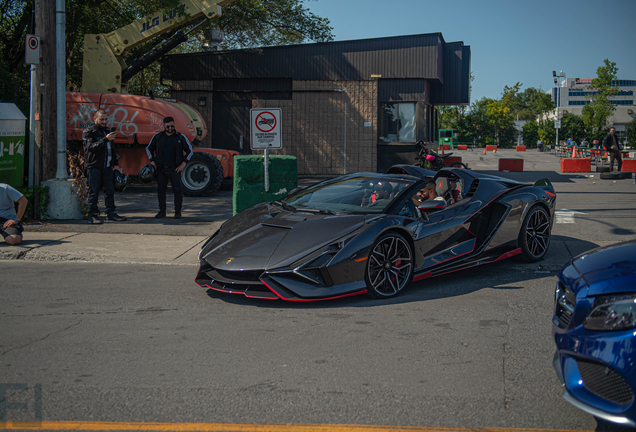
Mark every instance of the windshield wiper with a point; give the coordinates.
(317, 211)
(285, 206)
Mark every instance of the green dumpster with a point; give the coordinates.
(12, 145)
(249, 180)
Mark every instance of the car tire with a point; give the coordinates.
(614, 175)
(202, 175)
(389, 266)
(626, 174)
(459, 165)
(602, 169)
(535, 234)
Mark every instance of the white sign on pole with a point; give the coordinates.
(557, 124)
(32, 49)
(265, 129)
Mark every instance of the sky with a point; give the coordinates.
(510, 40)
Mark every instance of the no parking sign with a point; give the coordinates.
(32, 49)
(265, 129)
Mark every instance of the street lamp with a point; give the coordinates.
(557, 123)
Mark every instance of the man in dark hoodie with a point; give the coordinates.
(613, 147)
(168, 152)
(100, 160)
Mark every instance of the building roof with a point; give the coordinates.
(422, 57)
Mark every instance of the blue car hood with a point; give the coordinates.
(610, 269)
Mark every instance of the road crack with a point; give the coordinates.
(41, 339)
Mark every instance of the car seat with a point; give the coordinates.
(442, 188)
(456, 192)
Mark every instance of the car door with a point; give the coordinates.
(441, 237)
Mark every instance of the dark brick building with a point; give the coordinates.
(363, 103)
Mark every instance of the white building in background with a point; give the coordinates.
(573, 94)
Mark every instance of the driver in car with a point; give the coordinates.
(429, 193)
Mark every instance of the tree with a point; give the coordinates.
(547, 132)
(572, 126)
(246, 23)
(630, 133)
(596, 113)
(258, 23)
(527, 104)
(530, 133)
(17, 17)
(449, 116)
(501, 120)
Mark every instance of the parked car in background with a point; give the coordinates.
(594, 328)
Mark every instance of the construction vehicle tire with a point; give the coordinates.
(202, 175)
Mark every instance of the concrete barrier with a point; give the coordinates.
(629, 165)
(573, 165)
(249, 180)
(521, 148)
(444, 146)
(462, 147)
(449, 160)
(491, 147)
(512, 165)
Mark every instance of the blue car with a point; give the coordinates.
(594, 328)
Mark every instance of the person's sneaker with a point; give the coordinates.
(160, 215)
(95, 220)
(116, 217)
(177, 215)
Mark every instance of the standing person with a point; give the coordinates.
(168, 152)
(10, 225)
(585, 143)
(613, 147)
(100, 160)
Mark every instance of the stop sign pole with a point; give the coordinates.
(265, 131)
(32, 57)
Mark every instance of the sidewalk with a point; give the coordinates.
(141, 239)
(145, 240)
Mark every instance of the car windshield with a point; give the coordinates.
(362, 195)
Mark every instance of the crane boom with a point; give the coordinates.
(103, 53)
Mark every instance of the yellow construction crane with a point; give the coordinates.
(104, 67)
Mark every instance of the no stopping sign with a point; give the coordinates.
(265, 129)
(32, 49)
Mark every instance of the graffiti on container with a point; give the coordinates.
(118, 117)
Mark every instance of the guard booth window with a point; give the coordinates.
(397, 122)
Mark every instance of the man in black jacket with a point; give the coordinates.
(168, 152)
(613, 147)
(100, 160)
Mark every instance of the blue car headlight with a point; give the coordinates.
(615, 312)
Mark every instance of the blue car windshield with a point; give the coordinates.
(360, 195)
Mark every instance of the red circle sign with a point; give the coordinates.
(268, 124)
(33, 42)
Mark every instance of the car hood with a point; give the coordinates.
(264, 238)
(610, 269)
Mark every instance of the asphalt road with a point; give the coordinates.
(144, 343)
(140, 343)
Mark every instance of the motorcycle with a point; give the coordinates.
(429, 159)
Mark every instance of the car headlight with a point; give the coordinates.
(615, 312)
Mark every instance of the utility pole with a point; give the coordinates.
(46, 102)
